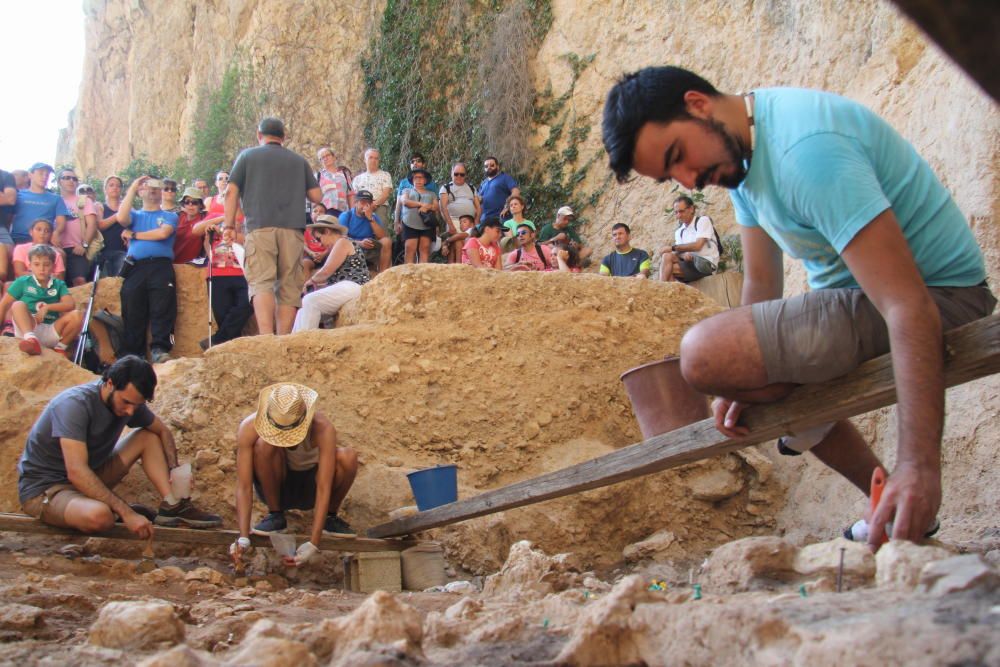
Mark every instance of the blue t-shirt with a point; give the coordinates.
(31, 206)
(146, 221)
(625, 264)
(494, 192)
(824, 167)
(77, 413)
(358, 227)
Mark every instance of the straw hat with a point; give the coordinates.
(284, 413)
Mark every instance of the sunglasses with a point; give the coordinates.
(68, 178)
(190, 202)
(85, 191)
(523, 232)
(458, 173)
(170, 189)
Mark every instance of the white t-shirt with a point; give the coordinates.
(464, 202)
(700, 228)
(374, 183)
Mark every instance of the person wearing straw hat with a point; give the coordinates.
(287, 452)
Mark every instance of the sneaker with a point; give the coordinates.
(858, 531)
(8, 329)
(784, 449)
(30, 345)
(337, 527)
(273, 522)
(158, 356)
(184, 512)
(203, 344)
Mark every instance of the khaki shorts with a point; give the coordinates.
(823, 334)
(274, 255)
(50, 505)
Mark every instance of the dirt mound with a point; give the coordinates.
(506, 375)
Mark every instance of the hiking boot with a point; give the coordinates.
(337, 527)
(858, 531)
(30, 345)
(158, 356)
(273, 522)
(184, 512)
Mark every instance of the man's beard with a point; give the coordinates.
(492, 172)
(736, 151)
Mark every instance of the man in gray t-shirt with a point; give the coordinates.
(271, 182)
(73, 456)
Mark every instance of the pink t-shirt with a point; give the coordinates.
(73, 233)
(533, 258)
(488, 254)
(21, 255)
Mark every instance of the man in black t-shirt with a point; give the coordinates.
(625, 261)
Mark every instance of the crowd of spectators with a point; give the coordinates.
(282, 240)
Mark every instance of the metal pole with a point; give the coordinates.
(81, 341)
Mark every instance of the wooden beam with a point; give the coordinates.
(20, 523)
(971, 352)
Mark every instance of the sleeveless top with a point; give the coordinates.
(302, 456)
(354, 268)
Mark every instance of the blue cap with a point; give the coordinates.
(41, 165)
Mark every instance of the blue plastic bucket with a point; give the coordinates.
(435, 486)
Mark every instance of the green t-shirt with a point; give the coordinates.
(27, 289)
(549, 230)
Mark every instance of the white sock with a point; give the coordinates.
(169, 499)
(31, 334)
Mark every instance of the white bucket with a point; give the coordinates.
(180, 481)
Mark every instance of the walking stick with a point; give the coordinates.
(211, 258)
(81, 341)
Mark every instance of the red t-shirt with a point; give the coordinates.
(187, 246)
(225, 261)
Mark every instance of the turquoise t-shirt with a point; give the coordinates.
(824, 167)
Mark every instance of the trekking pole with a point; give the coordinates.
(81, 342)
(211, 257)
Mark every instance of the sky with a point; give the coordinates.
(41, 46)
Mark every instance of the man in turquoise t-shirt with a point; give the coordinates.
(890, 258)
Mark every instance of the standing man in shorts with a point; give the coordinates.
(287, 452)
(890, 257)
(270, 182)
(74, 458)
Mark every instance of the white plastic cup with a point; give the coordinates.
(180, 481)
(283, 544)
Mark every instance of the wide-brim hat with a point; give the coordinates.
(414, 172)
(327, 222)
(285, 413)
(193, 193)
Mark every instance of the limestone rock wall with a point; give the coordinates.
(147, 59)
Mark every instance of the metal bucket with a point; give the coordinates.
(661, 400)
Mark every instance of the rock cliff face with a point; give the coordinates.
(147, 60)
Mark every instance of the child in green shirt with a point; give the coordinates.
(43, 311)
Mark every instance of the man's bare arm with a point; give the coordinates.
(85, 480)
(166, 437)
(232, 203)
(764, 273)
(246, 437)
(880, 260)
(325, 436)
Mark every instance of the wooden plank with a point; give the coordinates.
(971, 352)
(21, 523)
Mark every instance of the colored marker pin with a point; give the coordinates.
(878, 485)
(697, 591)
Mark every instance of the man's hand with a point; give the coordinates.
(367, 244)
(727, 414)
(79, 250)
(138, 524)
(305, 553)
(911, 500)
(237, 551)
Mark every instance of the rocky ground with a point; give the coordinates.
(759, 600)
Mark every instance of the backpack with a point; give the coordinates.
(717, 240)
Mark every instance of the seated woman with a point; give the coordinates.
(482, 250)
(515, 204)
(338, 281)
(41, 234)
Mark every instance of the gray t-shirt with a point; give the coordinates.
(460, 202)
(78, 413)
(273, 183)
(411, 216)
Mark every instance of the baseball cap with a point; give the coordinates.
(565, 210)
(41, 165)
(364, 194)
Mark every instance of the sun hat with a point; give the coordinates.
(327, 222)
(193, 193)
(284, 413)
(414, 172)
